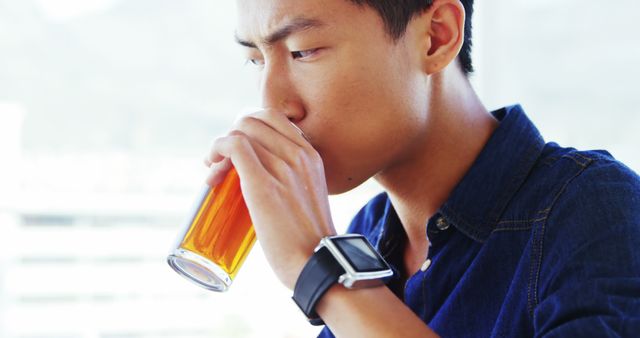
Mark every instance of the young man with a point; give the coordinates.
(488, 230)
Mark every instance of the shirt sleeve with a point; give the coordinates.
(588, 280)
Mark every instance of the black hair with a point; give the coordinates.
(396, 15)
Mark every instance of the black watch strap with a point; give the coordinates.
(318, 275)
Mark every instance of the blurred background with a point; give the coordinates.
(108, 106)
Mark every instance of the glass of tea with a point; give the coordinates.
(217, 237)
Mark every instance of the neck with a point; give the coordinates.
(457, 129)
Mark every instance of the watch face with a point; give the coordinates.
(360, 254)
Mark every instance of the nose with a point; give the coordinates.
(279, 92)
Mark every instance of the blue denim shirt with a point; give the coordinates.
(535, 241)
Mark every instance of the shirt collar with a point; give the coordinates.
(477, 202)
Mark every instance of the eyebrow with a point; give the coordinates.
(296, 25)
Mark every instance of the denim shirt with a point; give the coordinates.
(536, 240)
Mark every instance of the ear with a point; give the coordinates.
(443, 34)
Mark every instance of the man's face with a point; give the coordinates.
(359, 97)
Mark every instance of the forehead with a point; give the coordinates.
(257, 18)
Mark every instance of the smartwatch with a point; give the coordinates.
(346, 259)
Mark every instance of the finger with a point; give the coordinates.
(214, 156)
(270, 139)
(254, 163)
(275, 166)
(279, 122)
(218, 172)
(243, 157)
(207, 161)
(276, 121)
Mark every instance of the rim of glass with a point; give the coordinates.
(219, 280)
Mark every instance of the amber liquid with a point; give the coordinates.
(221, 229)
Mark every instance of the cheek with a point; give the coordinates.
(339, 112)
(357, 118)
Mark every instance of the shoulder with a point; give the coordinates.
(593, 220)
(566, 181)
(585, 260)
(599, 194)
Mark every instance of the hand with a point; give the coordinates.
(283, 184)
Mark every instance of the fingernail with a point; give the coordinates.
(300, 131)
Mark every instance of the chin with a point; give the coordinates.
(337, 191)
(337, 187)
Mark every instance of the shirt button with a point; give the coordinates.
(442, 224)
(425, 265)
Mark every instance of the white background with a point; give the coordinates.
(107, 107)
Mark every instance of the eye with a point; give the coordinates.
(255, 61)
(301, 54)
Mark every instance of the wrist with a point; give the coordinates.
(298, 266)
(370, 312)
(349, 260)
